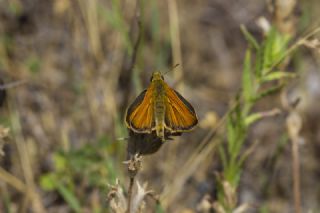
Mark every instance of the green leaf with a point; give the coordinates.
(252, 41)
(268, 49)
(223, 156)
(115, 18)
(159, 208)
(69, 197)
(274, 50)
(15, 8)
(48, 182)
(236, 131)
(247, 82)
(277, 75)
(259, 62)
(267, 92)
(279, 46)
(34, 64)
(268, 53)
(231, 133)
(259, 115)
(60, 161)
(253, 118)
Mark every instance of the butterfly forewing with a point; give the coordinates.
(180, 115)
(139, 116)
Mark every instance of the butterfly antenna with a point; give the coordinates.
(175, 66)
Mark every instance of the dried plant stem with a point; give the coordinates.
(294, 125)
(154, 197)
(285, 21)
(89, 11)
(296, 176)
(130, 193)
(23, 151)
(128, 68)
(12, 180)
(134, 166)
(175, 41)
(137, 42)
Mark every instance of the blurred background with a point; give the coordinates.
(78, 64)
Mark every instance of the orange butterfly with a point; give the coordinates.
(161, 109)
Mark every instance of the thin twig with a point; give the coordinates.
(134, 166)
(12, 180)
(154, 197)
(127, 69)
(136, 45)
(296, 176)
(12, 84)
(294, 125)
(130, 193)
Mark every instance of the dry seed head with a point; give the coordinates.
(116, 198)
(138, 203)
(134, 165)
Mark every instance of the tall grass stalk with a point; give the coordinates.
(257, 75)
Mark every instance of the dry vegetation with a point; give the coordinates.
(77, 64)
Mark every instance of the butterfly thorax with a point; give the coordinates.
(159, 96)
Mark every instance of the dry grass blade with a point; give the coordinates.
(12, 181)
(175, 41)
(90, 14)
(25, 161)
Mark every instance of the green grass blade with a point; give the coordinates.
(69, 197)
(247, 81)
(252, 41)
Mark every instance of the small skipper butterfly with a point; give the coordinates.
(161, 109)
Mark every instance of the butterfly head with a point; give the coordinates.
(156, 76)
